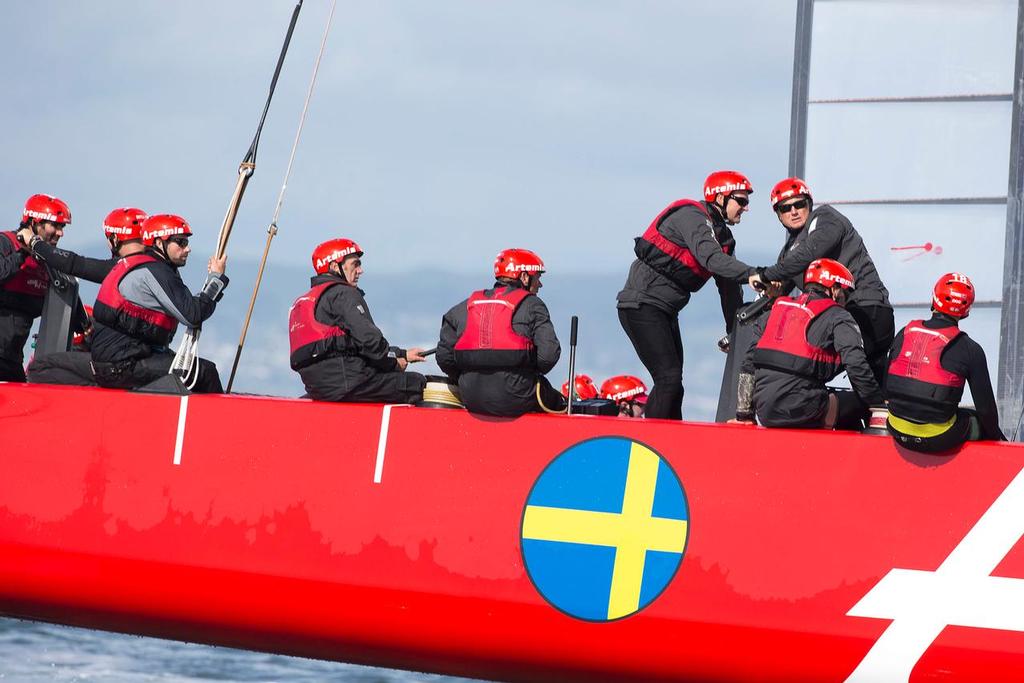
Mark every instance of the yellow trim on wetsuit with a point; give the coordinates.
(921, 431)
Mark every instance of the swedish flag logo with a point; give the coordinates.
(604, 528)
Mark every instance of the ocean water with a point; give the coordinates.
(32, 652)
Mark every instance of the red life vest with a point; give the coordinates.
(917, 373)
(113, 310)
(309, 339)
(784, 345)
(489, 342)
(25, 290)
(676, 263)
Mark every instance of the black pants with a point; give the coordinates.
(68, 367)
(383, 387)
(11, 371)
(136, 373)
(965, 428)
(878, 328)
(655, 336)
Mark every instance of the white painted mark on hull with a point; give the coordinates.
(382, 441)
(961, 592)
(179, 439)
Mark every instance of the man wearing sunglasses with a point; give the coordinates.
(815, 232)
(123, 230)
(142, 301)
(685, 246)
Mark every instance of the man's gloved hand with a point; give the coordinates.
(724, 344)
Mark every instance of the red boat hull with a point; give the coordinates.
(394, 536)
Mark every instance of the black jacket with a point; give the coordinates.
(830, 234)
(91, 269)
(157, 286)
(15, 321)
(511, 392)
(964, 357)
(689, 228)
(367, 351)
(783, 399)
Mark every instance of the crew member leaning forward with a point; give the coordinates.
(816, 232)
(336, 348)
(140, 304)
(499, 343)
(804, 343)
(929, 362)
(123, 230)
(684, 246)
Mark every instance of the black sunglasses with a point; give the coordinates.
(786, 208)
(742, 201)
(180, 241)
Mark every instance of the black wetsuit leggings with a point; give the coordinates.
(878, 329)
(655, 336)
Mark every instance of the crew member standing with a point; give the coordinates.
(336, 348)
(123, 231)
(24, 280)
(141, 302)
(929, 362)
(804, 343)
(685, 245)
(499, 343)
(815, 232)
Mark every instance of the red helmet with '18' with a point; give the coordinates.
(953, 295)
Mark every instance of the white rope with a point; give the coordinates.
(302, 118)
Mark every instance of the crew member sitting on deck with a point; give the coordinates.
(804, 343)
(140, 304)
(628, 392)
(499, 343)
(24, 280)
(123, 230)
(336, 348)
(928, 364)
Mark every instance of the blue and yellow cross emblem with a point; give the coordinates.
(604, 529)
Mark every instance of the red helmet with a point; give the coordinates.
(125, 224)
(827, 272)
(44, 207)
(585, 388)
(162, 226)
(725, 182)
(78, 338)
(789, 187)
(953, 295)
(333, 250)
(511, 262)
(624, 388)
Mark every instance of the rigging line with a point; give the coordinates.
(250, 156)
(186, 356)
(272, 228)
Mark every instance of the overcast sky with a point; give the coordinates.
(439, 132)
